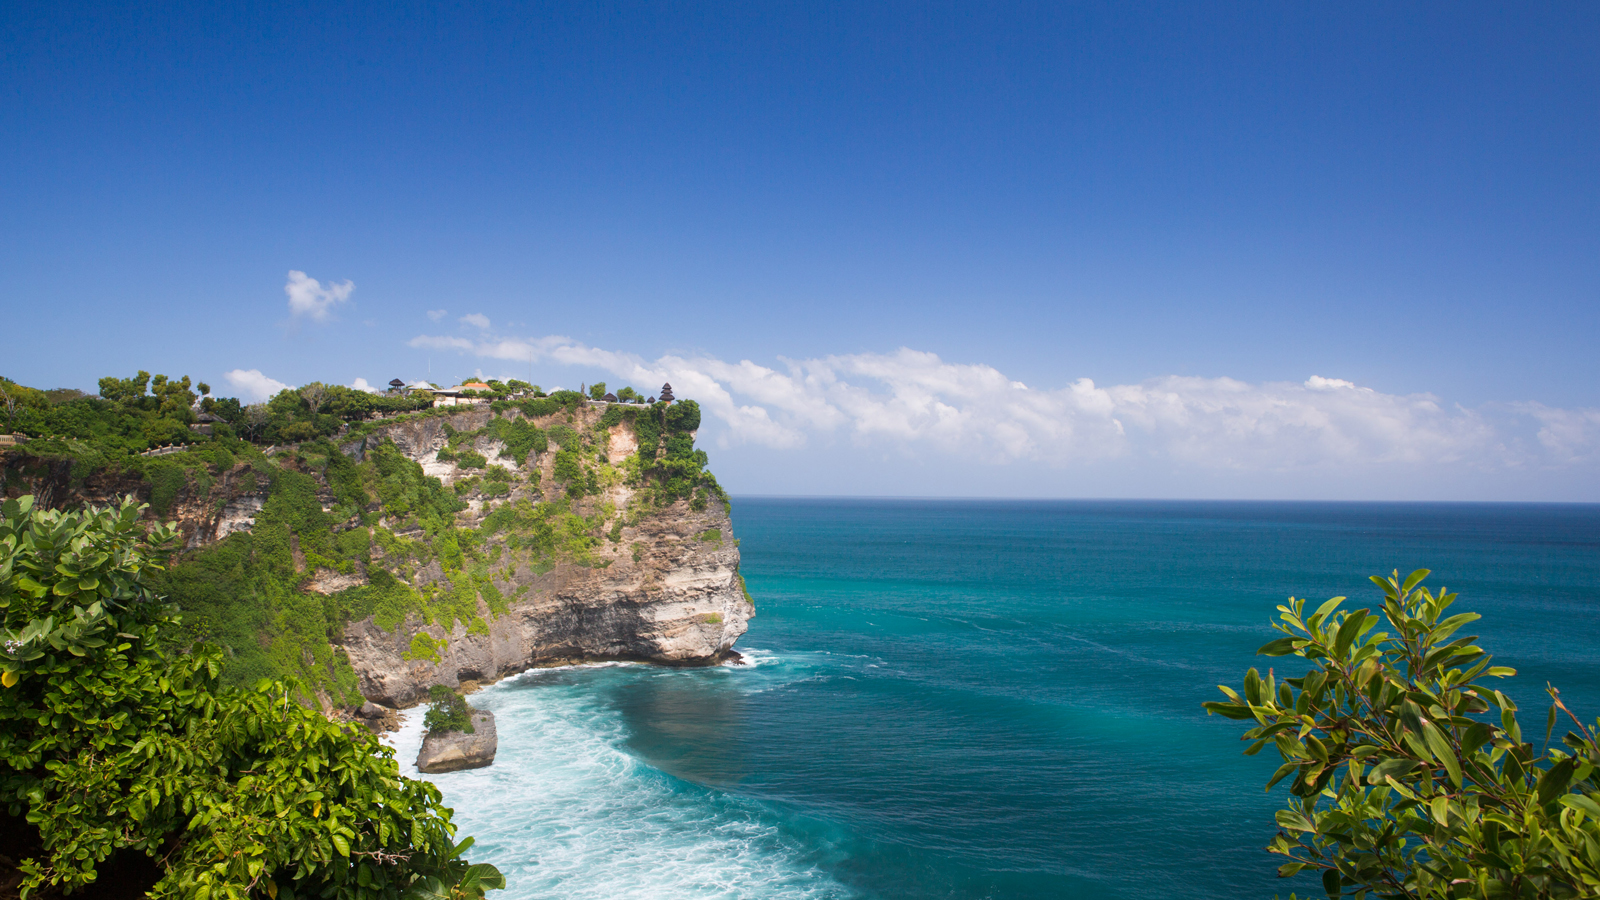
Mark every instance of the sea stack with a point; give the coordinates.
(452, 751)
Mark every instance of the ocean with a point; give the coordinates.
(986, 699)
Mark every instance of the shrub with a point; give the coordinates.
(616, 414)
(1402, 785)
(520, 437)
(447, 712)
(567, 469)
(116, 741)
(684, 416)
(471, 459)
(424, 647)
(539, 406)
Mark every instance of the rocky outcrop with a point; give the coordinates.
(665, 588)
(378, 719)
(453, 751)
(667, 595)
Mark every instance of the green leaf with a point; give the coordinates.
(1280, 647)
(1330, 882)
(1395, 767)
(1282, 772)
(341, 845)
(1554, 781)
(1583, 804)
(481, 877)
(1291, 820)
(1476, 736)
(1412, 580)
(1348, 631)
(1443, 751)
(1326, 608)
(1252, 687)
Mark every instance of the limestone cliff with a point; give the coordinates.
(458, 548)
(680, 602)
(663, 587)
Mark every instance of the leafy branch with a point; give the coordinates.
(1410, 777)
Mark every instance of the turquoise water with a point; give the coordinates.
(985, 699)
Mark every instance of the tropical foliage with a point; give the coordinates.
(1409, 774)
(119, 744)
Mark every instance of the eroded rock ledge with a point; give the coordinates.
(680, 602)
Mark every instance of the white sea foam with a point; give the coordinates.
(564, 812)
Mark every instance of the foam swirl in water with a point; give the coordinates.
(566, 812)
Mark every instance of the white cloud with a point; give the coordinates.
(915, 401)
(1318, 383)
(254, 386)
(307, 296)
(437, 314)
(1570, 435)
(478, 320)
(361, 384)
(441, 343)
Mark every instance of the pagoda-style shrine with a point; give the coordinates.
(666, 393)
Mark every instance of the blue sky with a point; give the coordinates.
(884, 244)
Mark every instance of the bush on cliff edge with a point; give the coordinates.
(121, 752)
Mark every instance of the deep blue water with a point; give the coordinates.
(988, 699)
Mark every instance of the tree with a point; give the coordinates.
(256, 417)
(125, 390)
(118, 741)
(597, 390)
(315, 394)
(174, 400)
(1402, 785)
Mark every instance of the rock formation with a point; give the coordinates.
(452, 751)
(667, 595)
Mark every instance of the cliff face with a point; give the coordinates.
(551, 535)
(663, 587)
(666, 595)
